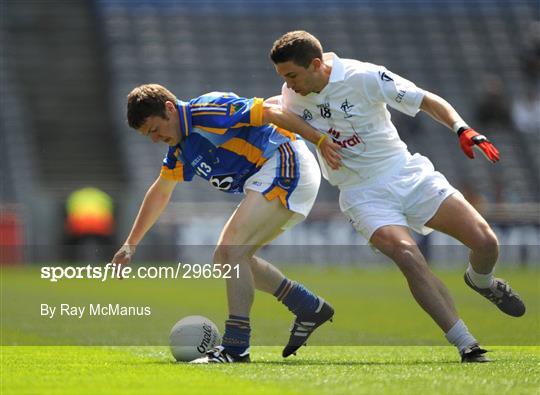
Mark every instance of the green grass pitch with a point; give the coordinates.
(381, 342)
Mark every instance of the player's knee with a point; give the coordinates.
(485, 241)
(410, 261)
(229, 254)
(404, 252)
(223, 254)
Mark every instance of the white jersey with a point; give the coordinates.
(352, 110)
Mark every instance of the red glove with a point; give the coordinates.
(469, 139)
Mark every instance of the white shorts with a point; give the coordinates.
(409, 197)
(293, 176)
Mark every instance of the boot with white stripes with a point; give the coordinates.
(304, 326)
(219, 355)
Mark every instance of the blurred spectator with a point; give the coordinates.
(11, 236)
(530, 55)
(493, 108)
(526, 112)
(89, 223)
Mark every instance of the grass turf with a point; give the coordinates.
(381, 341)
(316, 370)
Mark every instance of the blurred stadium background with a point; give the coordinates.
(67, 66)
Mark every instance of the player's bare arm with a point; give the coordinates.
(273, 101)
(272, 113)
(156, 199)
(443, 112)
(440, 110)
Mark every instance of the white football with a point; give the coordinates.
(192, 336)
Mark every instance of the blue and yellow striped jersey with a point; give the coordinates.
(223, 141)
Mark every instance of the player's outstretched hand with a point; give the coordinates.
(469, 139)
(330, 153)
(123, 255)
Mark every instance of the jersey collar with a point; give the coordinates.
(338, 70)
(185, 119)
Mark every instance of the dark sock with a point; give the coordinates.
(236, 337)
(298, 299)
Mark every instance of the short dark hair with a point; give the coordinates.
(298, 46)
(145, 101)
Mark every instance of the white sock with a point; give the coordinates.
(460, 336)
(479, 279)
